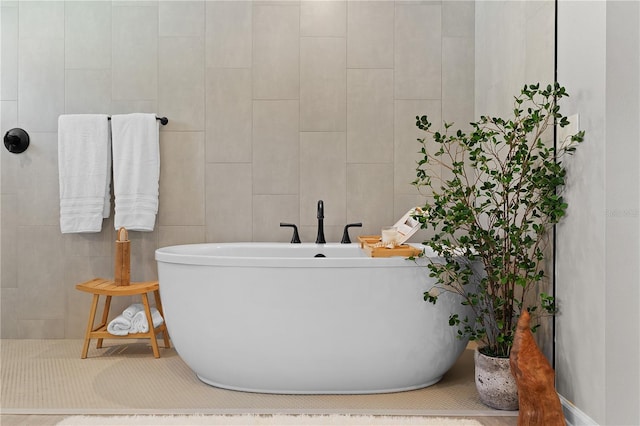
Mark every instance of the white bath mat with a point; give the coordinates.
(270, 420)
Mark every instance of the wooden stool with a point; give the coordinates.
(108, 288)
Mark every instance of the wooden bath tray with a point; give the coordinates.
(368, 244)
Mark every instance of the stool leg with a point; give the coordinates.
(87, 334)
(165, 333)
(105, 316)
(152, 331)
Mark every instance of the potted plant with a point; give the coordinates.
(494, 198)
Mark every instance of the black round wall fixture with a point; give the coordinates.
(16, 140)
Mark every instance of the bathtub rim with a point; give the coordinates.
(203, 254)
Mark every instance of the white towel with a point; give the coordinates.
(139, 323)
(132, 310)
(136, 170)
(84, 163)
(119, 326)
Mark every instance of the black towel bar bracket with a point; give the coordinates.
(16, 140)
(163, 120)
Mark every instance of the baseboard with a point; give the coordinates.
(573, 415)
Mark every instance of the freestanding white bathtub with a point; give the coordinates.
(271, 317)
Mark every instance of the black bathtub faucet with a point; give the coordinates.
(296, 238)
(320, 238)
(345, 233)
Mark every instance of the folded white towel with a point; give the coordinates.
(136, 170)
(139, 323)
(84, 163)
(119, 326)
(132, 310)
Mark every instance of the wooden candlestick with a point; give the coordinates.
(122, 273)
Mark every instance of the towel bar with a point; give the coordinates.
(163, 120)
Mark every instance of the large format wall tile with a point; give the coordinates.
(94, 244)
(369, 116)
(181, 188)
(501, 73)
(370, 196)
(143, 262)
(275, 147)
(174, 235)
(323, 84)
(181, 18)
(9, 308)
(323, 177)
(458, 18)
(40, 83)
(229, 34)
(540, 37)
(38, 186)
(276, 51)
(229, 202)
(9, 259)
(323, 18)
(133, 105)
(229, 115)
(418, 28)
(458, 81)
(50, 328)
(87, 34)
(181, 82)
(8, 115)
(88, 91)
(41, 19)
(9, 163)
(135, 65)
(269, 211)
(370, 34)
(40, 294)
(9, 53)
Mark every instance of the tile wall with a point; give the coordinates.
(272, 105)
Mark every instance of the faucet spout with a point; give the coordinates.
(320, 237)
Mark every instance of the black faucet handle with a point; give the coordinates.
(296, 238)
(345, 234)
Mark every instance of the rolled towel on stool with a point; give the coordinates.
(139, 323)
(132, 310)
(119, 326)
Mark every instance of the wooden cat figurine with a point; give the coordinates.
(537, 396)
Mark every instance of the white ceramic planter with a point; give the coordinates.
(495, 383)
